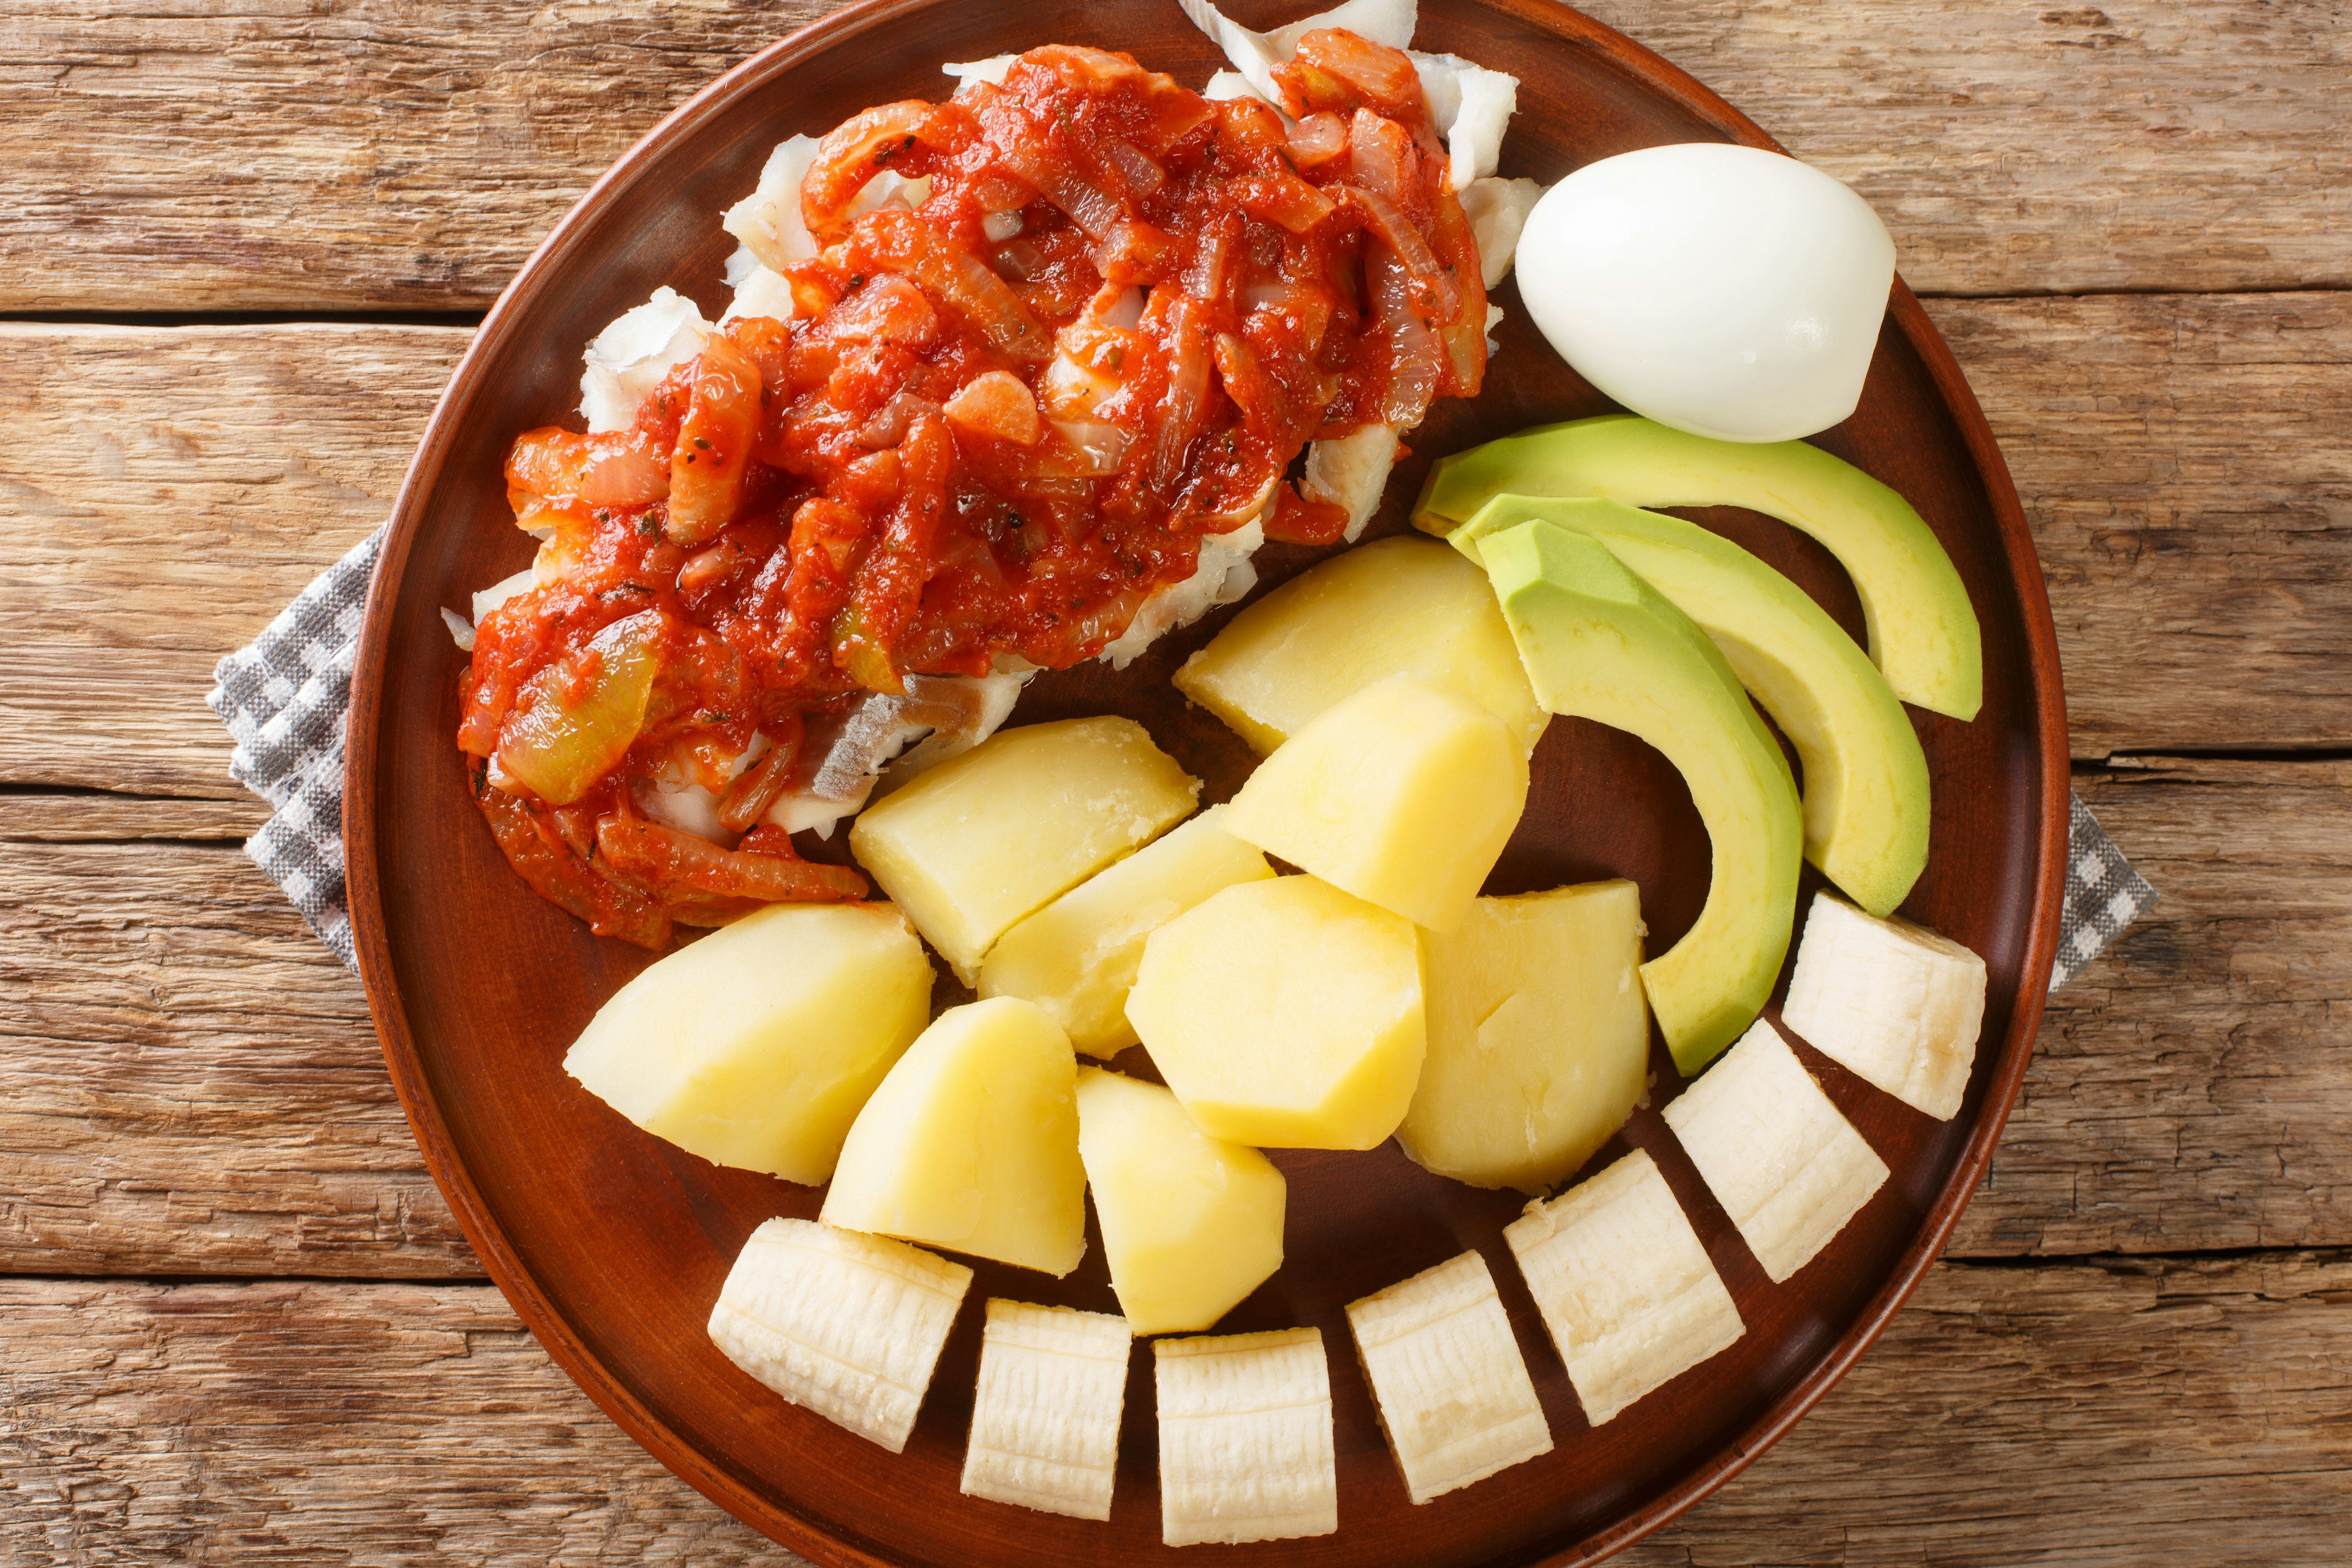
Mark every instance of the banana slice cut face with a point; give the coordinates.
(1454, 1397)
(1623, 1285)
(1245, 1450)
(843, 1323)
(1893, 1003)
(1787, 1168)
(1044, 1422)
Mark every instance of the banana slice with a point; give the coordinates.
(847, 1324)
(1623, 1285)
(1893, 1003)
(1787, 1168)
(1454, 1397)
(1044, 1423)
(1246, 1448)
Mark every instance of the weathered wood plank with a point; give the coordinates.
(408, 153)
(170, 489)
(167, 493)
(2106, 1417)
(188, 1081)
(2184, 464)
(2190, 1088)
(2116, 1414)
(39, 817)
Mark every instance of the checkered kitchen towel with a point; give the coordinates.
(283, 695)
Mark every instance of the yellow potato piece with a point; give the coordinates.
(757, 1045)
(971, 1143)
(1404, 794)
(1396, 606)
(1539, 1036)
(1075, 958)
(1191, 1224)
(1285, 1014)
(982, 840)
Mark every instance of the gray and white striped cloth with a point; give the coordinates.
(283, 695)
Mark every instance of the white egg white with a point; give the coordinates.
(1723, 290)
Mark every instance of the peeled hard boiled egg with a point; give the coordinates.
(1724, 290)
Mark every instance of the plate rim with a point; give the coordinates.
(372, 938)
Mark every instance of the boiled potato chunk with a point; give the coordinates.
(1075, 958)
(757, 1045)
(1402, 794)
(979, 842)
(1191, 1224)
(971, 1143)
(1539, 1038)
(1285, 1014)
(1397, 607)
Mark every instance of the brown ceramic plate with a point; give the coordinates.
(612, 1244)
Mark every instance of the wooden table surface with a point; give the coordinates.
(243, 246)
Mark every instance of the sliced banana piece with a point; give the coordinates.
(1453, 1393)
(1893, 1003)
(1045, 1423)
(846, 1324)
(1787, 1168)
(1623, 1285)
(1245, 1450)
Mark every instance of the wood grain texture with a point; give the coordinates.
(161, 1004)
(167, 491)
(94, 817)
(2147, 1411)
(2185, 465)
(2178, 454)
(2189, 1090)
(188, 1079)
(406, 154)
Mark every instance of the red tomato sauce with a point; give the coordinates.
(997, 422)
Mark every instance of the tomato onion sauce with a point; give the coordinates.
(997, 422)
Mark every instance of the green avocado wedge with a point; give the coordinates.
(1599, 643)
(1922, 632)
(1865, 778)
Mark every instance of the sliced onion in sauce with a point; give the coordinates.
(1318, 139)
(1086, 448)
(1378, 154)
(1410, 251)
(1143, 175)
(1416, 357)
(1089, 206)
(1266, 294)
(1190, 365)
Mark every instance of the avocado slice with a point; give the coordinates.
(1922, 632)
(1865, 777)
(1599, 643)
